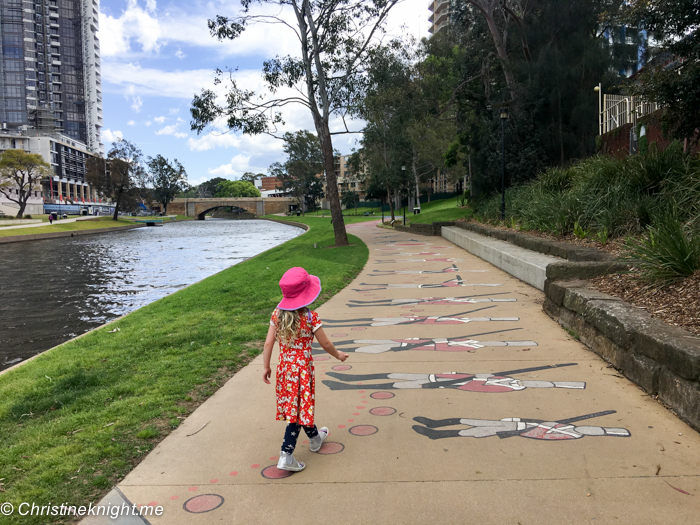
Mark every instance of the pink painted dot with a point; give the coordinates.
(363, 401)
(363, 430)
(339, 334)
(341, 368)
(331, 447)
(322, 358)
(153, 504)
(382, 411)
(213, 481)
(173, 498)
(360, 407)
(359, 328)
(407, 306)
(363, 396)
(341, 426)
(417, 310)
(306, 442)
(351, 420)
(255, 465)
(234, 473)
(362, 391)
(355, 413)
(203, 503)
(382, 395)
(273, 458)
(192, 489)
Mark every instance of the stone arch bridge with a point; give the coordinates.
(199, 207)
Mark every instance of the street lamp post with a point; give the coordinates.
(403, 171)
(504, 117)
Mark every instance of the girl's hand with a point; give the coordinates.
(342, 356)
(266, 374)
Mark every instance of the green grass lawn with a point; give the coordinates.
(78, 418)
(442, 210)
(58, 226)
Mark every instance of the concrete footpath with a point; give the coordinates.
(461, 401)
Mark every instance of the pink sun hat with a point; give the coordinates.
(298, 288)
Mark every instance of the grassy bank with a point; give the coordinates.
(436, 211)
(93, 224)
(78, 418)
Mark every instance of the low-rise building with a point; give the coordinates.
(67, 186)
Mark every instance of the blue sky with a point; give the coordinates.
(156, 55)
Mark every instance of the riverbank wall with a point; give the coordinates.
(74, 233)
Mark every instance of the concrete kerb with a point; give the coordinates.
(74, 233)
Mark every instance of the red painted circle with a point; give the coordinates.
(173, 498)
(272, 472)
(341, 368)
(355, 413)
(351, 420)
(192, 489)
(203, 503)
(363, 430)
(331, 447)
(213, 481)
(321, 358)
(362, 391)
(359, 328)
(234, 473)
(382, 395)
(382, 411)
(255, 465)
(339, 334)
(341, 426)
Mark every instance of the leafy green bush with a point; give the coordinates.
(667, 252)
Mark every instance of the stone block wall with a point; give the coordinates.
(663, 360)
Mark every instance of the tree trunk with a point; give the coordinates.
(115, 217)
(391, 203)
(341, 236)
(22, 206)
(415, 174)
(487, 11)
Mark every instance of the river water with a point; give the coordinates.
(54, 290)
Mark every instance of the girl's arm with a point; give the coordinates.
(267, 353)
(326, 344)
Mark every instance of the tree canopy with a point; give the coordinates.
(20, 175)
(237, 188)
(167, 179)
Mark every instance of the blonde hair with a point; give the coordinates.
(288, 323)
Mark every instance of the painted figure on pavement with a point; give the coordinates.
(491, 383)
(441, 344)
(434, 259)
(458, 281)
(415, 320)
(433, 301)
(449, 269)
(514, 426)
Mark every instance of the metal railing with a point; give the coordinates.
(618, 110)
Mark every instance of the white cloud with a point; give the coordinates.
(180, 135)
(155, 82)
(179, 54)
(159, 120)
(135, 23)
(148, 123)
(131, 123)
(111, 136)
(174, 111)
(137, 104)
(238, 166)
(167, 130)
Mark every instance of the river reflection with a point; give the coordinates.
(53, 290)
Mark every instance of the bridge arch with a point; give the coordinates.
(258, 206)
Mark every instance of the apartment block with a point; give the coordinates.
(439, 16)
(50, 77)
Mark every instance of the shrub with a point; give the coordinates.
(667, 252)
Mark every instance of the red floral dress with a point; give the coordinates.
(296, 392)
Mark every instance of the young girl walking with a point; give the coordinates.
(295, 327)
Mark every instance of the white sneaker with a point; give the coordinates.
(315, 443)
(287, 462)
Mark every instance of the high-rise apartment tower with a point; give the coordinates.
(50, 68)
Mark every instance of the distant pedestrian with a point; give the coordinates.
(50, 218)
(295, 326)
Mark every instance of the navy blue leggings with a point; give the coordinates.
(292, 434)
